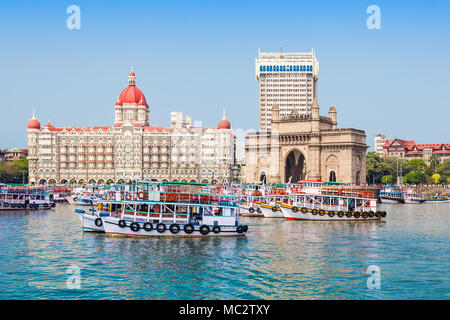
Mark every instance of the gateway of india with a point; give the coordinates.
(295, 142)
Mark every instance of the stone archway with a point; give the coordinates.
(294, 166)
(110, 181)
(332, 177)
(42, 182)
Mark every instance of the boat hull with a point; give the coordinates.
(387, 200)
(88, 222)
(112, 228)
(299, 215)
(268, 212)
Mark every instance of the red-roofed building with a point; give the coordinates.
(13, 154)
(408, 149)
(131, 149)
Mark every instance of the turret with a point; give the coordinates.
(333, 116)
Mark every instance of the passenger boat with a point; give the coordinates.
(170, 209)
(22, 197)
(390, 194)
(314, 201)
(411, 196)
(437, 199)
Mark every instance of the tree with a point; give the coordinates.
(435, 177)
(418, 165)
(14, 171)
(386, 179)
(416, 177)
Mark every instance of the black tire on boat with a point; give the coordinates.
(377, 214)
(348, 214)
(188, 228)
(364, 215)
(258, 210)
(294, 209)
(161, 227)
(274, 209)
(13, 205)
(383, 214)
(251, 210)
(245, 227)
(204, 229)
(19, 205)
(216, 229)
(321, 212)
(134, 226)
(331, 214)
(148, 226)
(240, 229)
(6, 204)
(98, 222)
(304, 210)
(53, 204)
(371, 214)
(122, 224)
(314, 212)
(356, 214)
(45, 205)
(174, 228)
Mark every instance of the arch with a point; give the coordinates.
(100, 181)
(91, 181)
(263, 177)
(332, 177)
(294, 166)
(193, 180)
(64, 181)
(51, 182)
(81, 181)
(205, 181)
(109, 181)
(184, 180)
(42, 182)
(72, 181)
(214, 181)
(120, 181)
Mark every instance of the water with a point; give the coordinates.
(277, 260)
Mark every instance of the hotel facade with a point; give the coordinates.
(130, 150)
(288, 79)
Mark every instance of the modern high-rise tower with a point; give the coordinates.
(288, 79)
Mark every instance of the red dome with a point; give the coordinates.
(132, 94)
(34, 124)
(224, 124)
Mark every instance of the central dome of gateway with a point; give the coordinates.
(132, 94)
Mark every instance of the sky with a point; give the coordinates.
(198, 57)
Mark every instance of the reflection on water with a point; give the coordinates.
(277, 260)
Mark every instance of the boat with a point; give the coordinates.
(23, 197)
(436, 199)
(411, 196)
(391, 194)
(169, 209)
(315, 201)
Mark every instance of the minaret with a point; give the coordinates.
(315, 118)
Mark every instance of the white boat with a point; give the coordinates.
(22, 197)
(411, 196)
(165, 209)
(391, 194)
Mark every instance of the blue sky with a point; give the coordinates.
(198, 57)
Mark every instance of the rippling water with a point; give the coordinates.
(277, 260)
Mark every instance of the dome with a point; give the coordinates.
(224, 124)
(49, 125)
(131, 94)
(34, 124)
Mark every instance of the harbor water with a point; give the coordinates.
(42, 252)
